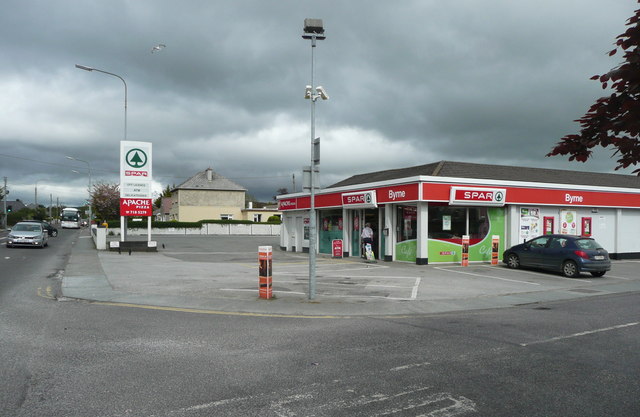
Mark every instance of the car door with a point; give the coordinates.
(554, 253)
(533, 251)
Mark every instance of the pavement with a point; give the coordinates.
(219, 275)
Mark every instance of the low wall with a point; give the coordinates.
(208, 229)
(99, 235)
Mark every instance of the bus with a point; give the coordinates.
(70, 218)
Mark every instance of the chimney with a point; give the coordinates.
(250, 204)
(209, 172)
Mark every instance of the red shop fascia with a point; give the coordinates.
(442, 192)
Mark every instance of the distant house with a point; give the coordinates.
(207, 196)
(260, 214)
(163, 213)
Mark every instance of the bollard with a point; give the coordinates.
(465, 250)
(265, 258)
(495, 244)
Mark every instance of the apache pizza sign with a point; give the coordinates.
(468, 196)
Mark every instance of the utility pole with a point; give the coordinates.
(4, 200)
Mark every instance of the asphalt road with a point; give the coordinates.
(70, 358)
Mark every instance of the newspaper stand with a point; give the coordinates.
(265, 259)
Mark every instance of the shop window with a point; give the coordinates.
(451, 223)
(330, 228)
(407, 223)
(447, 222)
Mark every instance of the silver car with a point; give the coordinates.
(28, 234)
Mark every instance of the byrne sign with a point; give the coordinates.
(477, 196)
(360, 199)
(135, 179)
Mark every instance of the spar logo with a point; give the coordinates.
(478, 196)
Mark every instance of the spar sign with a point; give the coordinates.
(135, 179)
(477, 196)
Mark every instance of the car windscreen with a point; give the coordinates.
(587, 244)
(26, 228)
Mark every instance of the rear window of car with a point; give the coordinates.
(588, 244)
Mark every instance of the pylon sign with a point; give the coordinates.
(135, 179)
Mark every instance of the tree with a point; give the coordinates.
(281, 191)
(614, 120)
(106, 201)
(165, 193)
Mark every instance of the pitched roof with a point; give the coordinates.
(496, 172)
(201, 181)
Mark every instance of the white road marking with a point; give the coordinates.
(605, 329)
(409, 366)
(486, 276)
(416, 401)
(414, 291)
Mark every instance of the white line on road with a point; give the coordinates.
(545, 274)
(414, 291)
(605, 329)
(409, 366)
(486, 276)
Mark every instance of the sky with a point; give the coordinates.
(410, 83)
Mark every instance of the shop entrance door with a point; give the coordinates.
(371, 216)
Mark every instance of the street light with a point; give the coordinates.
(123, 223)
(313, 30)
(84, 67)
(36, 194)
(90, 199)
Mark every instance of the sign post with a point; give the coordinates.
(135, 183)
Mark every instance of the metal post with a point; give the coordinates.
(312, 210)
(4, 199)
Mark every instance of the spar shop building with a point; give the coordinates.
(420, 214)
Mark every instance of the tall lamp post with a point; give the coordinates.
(90, 199)
(36, 194)
(313, 30)
(123, 223)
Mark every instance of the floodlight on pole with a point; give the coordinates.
(313, 30)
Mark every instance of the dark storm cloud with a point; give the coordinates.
(411, 82)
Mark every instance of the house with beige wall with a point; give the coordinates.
(210, 196)
(207, 196)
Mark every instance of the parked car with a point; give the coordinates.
(27, 234)
(51, 231)
(567, 254)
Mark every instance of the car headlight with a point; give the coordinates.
(11, 237)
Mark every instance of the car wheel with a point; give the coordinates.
(598, 273)
(570, 269)
(513, 261)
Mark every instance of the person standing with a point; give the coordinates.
(367, 237)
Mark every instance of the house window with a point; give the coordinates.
(226, 217)
(257, 218)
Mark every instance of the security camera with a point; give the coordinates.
(307, 92)
(323, 94)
